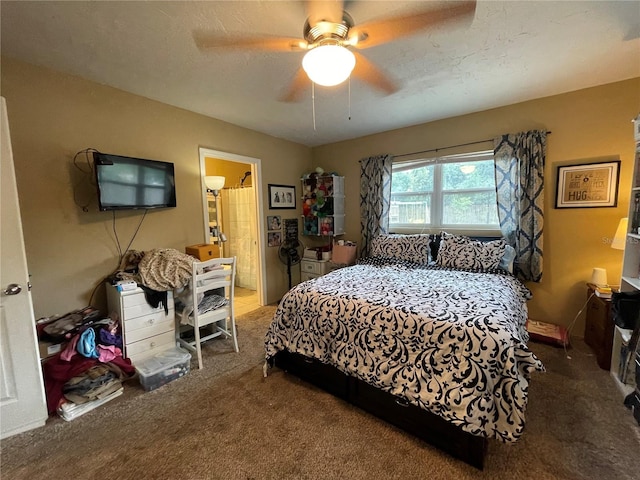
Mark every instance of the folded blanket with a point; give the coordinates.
(207, 304)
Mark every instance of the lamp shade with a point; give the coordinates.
(214, 182)
(599, 277)
(620, 238)
(328, 65)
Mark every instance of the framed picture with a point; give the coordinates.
(274, 222)
(588, 185)
(274, 239)
(282, 196)
(290, 229)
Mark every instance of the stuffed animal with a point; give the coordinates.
(325, 228)
(306, 207)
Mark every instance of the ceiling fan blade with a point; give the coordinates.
(297, 87)
(206, 41)
(328, 10)
(377, 32)
(369, 73)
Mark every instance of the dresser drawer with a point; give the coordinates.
(136, 305)
(597, 311)
(139, 328)
(150, 345)
(311, 267)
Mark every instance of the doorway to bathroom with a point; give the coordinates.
(238, 209)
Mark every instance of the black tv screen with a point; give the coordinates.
(126, 183)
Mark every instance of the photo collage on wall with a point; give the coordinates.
(281, 231)
(274, 230)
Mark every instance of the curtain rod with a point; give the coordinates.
(445, 148)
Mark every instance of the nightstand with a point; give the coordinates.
(599, 327)
(315, 268)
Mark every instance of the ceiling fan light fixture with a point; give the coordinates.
(329, 65)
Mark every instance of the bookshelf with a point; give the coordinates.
(630, 281)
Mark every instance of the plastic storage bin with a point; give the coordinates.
(163, 368)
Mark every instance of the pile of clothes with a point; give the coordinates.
(89, 371)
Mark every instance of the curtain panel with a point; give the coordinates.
(519, 170)
(375, 198)
(239, 221)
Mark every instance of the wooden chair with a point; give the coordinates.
(207, 301)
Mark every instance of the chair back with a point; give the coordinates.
(212, 275)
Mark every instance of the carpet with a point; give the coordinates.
(227, 421)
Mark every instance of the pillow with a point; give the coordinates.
(459, 251)
(506, 262)
(412, 248)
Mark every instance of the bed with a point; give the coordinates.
(427, 333)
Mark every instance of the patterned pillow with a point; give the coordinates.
(459, 251)
(413, 248)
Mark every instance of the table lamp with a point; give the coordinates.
(599, 277)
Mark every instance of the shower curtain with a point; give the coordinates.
(239, 224)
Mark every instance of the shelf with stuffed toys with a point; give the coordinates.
(322, 204)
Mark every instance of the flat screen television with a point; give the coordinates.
(127, 183)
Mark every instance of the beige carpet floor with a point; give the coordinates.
(228, 422)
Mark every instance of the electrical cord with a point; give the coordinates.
(572, 324)
(115, 233)
(88, 172)
(134, 234)
(95, 289)
(122, 254)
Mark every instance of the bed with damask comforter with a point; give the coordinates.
(448, 340)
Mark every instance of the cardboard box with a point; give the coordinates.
(203, 251)
(48, 349)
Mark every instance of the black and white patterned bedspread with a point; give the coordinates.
(451, 342)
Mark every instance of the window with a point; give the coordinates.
(456, 193)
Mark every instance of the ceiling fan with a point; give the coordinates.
(332, 38)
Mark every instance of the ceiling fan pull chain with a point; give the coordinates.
(313, 104)
(349, 97)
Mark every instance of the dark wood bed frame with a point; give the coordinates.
(421, 423)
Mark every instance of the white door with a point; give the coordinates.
(22, 398)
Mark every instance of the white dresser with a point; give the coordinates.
(315, 268)
(145, 330)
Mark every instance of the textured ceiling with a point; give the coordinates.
(510, 52)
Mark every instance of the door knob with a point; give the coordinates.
(12, 289)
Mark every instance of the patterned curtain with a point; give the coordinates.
(375, 197)
(519, 170)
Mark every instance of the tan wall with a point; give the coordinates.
(231, 171)
(586, 125)
(52, 116)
